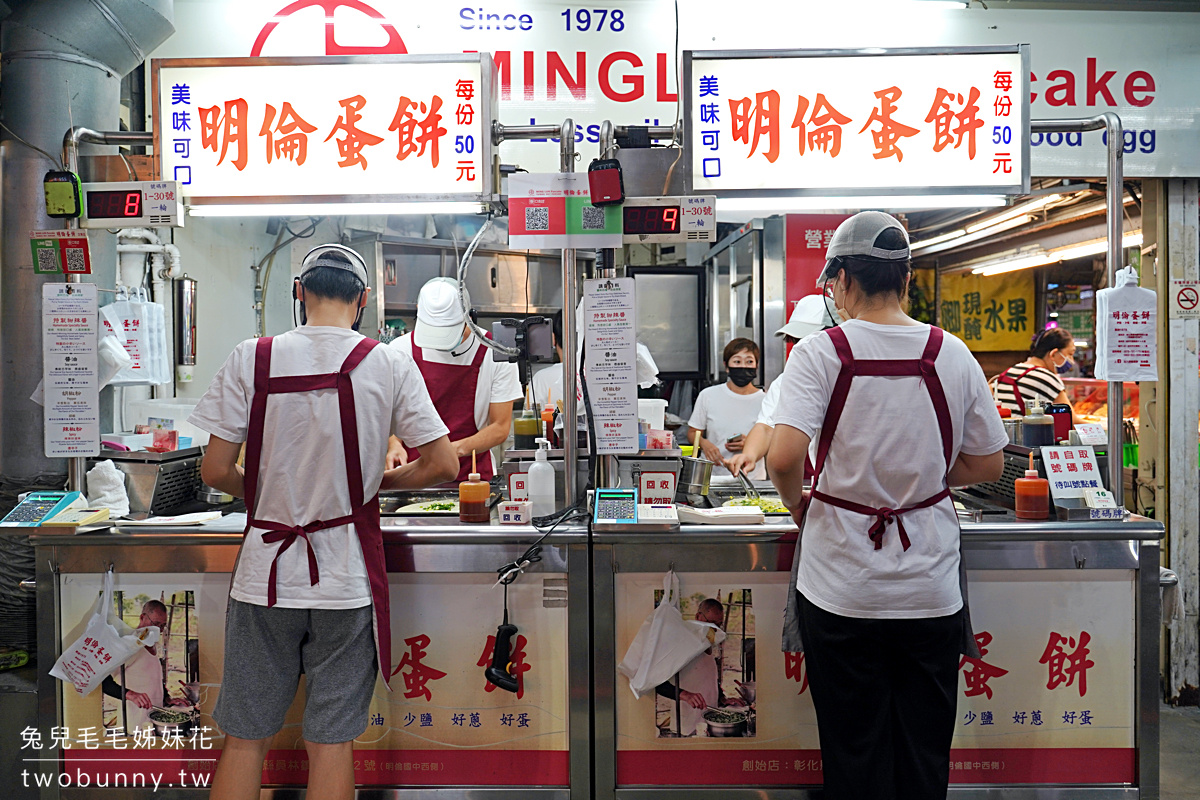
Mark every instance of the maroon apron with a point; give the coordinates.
(452, 389)
(1009, 380)
(922, 367)
(364, 515)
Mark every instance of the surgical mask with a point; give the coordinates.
(742, 376)
(1064, 367)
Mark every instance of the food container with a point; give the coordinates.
(207, 494)
(748, 691)
(654, 412)
(723, 723)
(694, 476)
(1013, 428)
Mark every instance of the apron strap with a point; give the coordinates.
(1009, 380)
(349, 420)
(258, 416)
(837, 400)
(933, 384)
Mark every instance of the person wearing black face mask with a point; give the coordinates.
(724, 414)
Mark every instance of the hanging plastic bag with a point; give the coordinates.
(105, 645)
(1127, 331)
(666, 643)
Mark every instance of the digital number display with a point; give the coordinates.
(119, 204)
(651, 219)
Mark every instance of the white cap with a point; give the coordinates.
(440, 317)
(810, 315)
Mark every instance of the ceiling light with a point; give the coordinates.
(1095, 247)
(1081, 344)
(1015, 211)
(1053, 315)
(959, 241)
(1014, 264)
(333, 209)
(748, 207)
(942, 237)
(1041, 258)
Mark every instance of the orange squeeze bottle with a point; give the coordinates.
(1032, 495)
(473, 497)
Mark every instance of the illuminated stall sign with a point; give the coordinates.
(901, 122)
(313, 129)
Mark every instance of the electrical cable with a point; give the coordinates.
(53, 160)
(462, 281)
(512, 570)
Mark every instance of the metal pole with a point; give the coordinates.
(570, 361)
(77, 466)
(1114, 210)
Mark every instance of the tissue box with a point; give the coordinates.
(514, 512)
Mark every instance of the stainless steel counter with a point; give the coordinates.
(595, 566)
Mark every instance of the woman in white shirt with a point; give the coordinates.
(878, 604)
(725, 413)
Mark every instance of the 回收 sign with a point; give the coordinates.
(844, 122)
(988, 313)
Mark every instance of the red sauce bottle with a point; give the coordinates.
(1032, 495)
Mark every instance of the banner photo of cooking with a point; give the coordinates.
(714, 694)
(156, 694)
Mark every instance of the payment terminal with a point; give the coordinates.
(39, 506)
(615, 510)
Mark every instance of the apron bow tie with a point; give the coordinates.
(288, 537)
(883, 518)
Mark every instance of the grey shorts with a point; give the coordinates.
(266, 651)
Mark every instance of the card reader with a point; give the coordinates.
(39, 506)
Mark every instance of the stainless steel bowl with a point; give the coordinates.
(207, 494)
(748, 691)
(694, 476)
(726, 729)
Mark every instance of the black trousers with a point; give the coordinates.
(885, 692)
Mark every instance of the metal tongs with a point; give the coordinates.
(747, 484)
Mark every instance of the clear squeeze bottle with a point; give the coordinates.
(1037, 428)
(1032, 495)
(541, 482)
(473, 497)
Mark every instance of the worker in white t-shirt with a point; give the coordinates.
(811, 314)
(314, 407)
(473, 393)
(892, 413)
(725, 413)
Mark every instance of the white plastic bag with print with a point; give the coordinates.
(105, 645)
(666, 643)
(127, 320)
(1127, 330)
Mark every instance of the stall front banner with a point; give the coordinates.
(554, 210)
(241, 128)
(879, 122)
(610, 336)
(70, 370)
(1050, 701)
(442, 724)
(989, 313)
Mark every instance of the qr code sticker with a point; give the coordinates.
(47, 261)
(593, 218)
(537, 219)
(75, 260)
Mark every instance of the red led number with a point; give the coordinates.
(133, 204)
(670, 219)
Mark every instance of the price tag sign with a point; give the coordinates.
(1091, 433)
(70, 331)
(656, 488)
(1071, 471)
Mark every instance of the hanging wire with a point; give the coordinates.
(512, 570)
(13, 133)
